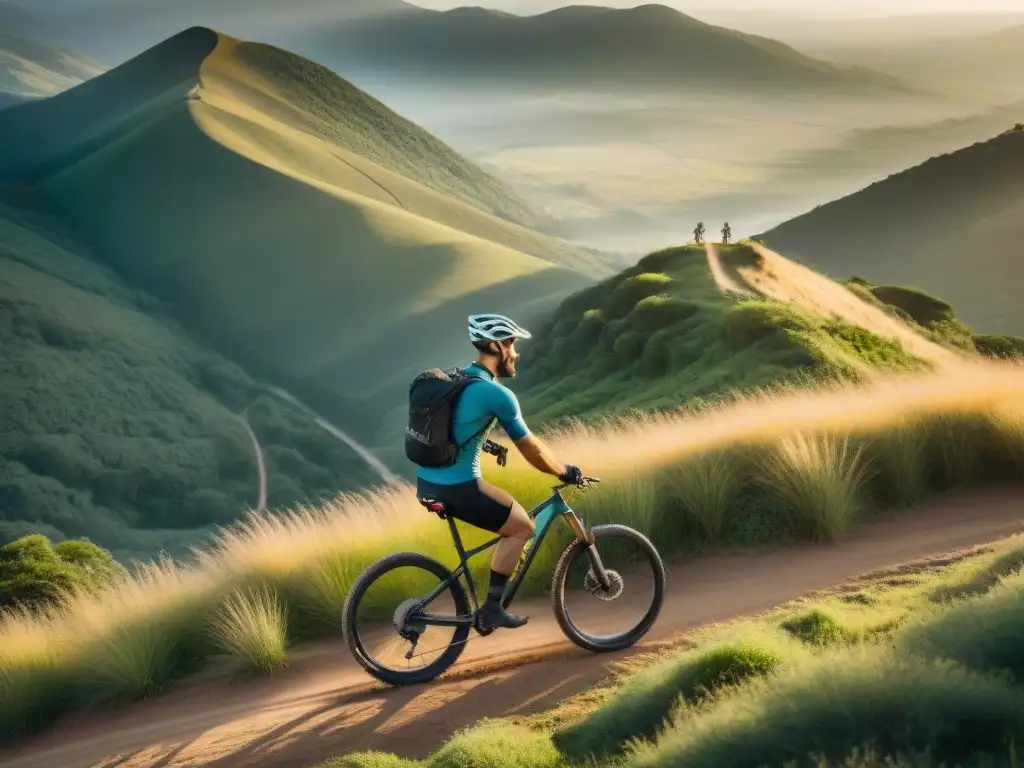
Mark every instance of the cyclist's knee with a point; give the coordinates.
(519, 524)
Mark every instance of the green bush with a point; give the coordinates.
(631, 290)
(817, 628)
(999, 346)
(641, 706)
(898, 706)
(35, 574)
(922, 307)
(985, 634)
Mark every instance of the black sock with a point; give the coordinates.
(494, 592)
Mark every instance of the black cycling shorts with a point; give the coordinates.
(476, 502)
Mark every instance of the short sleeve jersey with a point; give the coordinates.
(481, 404)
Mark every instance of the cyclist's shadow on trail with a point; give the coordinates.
(414, 721)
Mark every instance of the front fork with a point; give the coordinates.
(588, 538)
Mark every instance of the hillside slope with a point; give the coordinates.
(585, 47)
(221, 176)
(33, 69)
(953, 225)
(689, 323)
(115, 425)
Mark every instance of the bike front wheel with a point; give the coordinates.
(598, 618)
(392, 628)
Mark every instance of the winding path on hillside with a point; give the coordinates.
(324, 705)
(378, 466)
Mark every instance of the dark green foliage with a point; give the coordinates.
(34, 573)
(114, 423)
(661, 333)
(999, 346)
(922, 307)
(895, 706)
(985, 634)
(639, 709)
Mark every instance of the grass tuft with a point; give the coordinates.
(822, 478)
(704, 487)
(252, 629)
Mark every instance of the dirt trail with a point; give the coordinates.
(724, 282)
(324, 705)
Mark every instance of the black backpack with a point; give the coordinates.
(432, 398)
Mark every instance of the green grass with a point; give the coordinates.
(142, 636)
(116, 425)
(482, 747)
(251, 627)
(360, 123)
(661, 333)
(746, 693)
(641, 706)
(821, 479)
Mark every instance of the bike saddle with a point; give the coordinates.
(435, 506)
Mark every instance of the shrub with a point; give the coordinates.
(641, 706)
(999, 346)
(922, 307)
(817, 628)
(35, 574)
(631, 290)
(898, 706)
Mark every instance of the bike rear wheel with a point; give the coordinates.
(392, 616)
(641, 573)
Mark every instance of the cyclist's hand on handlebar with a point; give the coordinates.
(573, 475)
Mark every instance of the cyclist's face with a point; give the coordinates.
(509, 357)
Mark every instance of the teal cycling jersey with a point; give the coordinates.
(480, 406)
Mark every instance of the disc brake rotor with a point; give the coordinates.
(593, 586)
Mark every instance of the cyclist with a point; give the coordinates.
(461, 487)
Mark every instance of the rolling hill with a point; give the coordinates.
(290, 220)
(953, 225)
(29, 69)
(686, 323)
(115, 425)
(583, 47)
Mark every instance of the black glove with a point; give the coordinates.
(498, 450)
(573, 475)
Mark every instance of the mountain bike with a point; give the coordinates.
(411, 619)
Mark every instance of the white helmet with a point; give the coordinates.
(494, 328)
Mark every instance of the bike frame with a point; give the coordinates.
(544, 515)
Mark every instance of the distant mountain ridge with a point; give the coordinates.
(586, 46)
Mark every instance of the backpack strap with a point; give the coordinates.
(465, 374)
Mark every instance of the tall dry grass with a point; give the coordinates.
(685, 480)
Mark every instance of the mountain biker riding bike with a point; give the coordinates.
(460, 485)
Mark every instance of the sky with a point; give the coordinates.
(835, 6)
